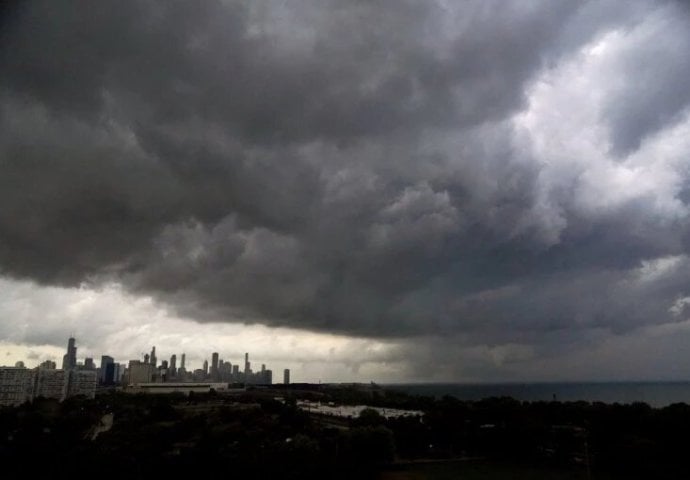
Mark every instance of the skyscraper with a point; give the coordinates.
(69, 360)
(214, 365)
(205, 367)
(107, 372)
(286, 376)
(182, 359)
(88, 364)
(173, 365)
(152, 358)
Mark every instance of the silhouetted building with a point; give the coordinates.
(120, 369)
(214, 365)
(225, 371)
(205, 369)
(182, 371)
(88, 364)
(48, 365)
(173, 365)
(152, 359)
(286, 376)
(107, 371)
(69, 360)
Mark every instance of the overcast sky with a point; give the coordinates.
(357, 190)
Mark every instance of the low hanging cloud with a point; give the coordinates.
(489, 172)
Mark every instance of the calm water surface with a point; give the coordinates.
(656, 394)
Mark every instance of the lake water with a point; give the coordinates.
(656, 394)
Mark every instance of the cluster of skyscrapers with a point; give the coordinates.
(218, 371)
(19, 384)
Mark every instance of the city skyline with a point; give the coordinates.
(71, 360)
(21, 383)
(475, 191)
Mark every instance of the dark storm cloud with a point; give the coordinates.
(352, 167)
(656, 94)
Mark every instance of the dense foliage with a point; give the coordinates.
(262, 437)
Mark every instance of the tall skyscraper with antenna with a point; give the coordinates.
(69, 360)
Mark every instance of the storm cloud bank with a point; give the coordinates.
(512, 173)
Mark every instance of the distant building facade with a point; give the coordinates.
(16, 385)
(82, 382)
(172, 387)
(52, 383)
(140, 372)
(19, 385)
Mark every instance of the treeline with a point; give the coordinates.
(258, 436)
(171, 436)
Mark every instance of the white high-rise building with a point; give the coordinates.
(16, 385)
(52, 384)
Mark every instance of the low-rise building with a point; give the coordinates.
(178, 387)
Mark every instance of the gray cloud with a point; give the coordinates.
(383, 169)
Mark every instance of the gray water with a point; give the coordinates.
(656, 394)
